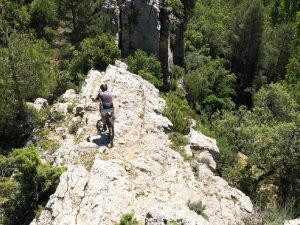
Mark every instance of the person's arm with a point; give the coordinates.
(97, 98)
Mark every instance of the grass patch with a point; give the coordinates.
(178, 143)
(87, 159)
(277, 216)
(49, 145)
(74, 127)
(70, 107)
(198, 207)
(128, 219)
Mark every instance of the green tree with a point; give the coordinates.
(285, 10)
(210, 87)
(269, 136)
(95, 53)
(208, 27)
(292, 80)
(44, 15)
(246, 44)
(147, 66)
(276, 49)
(14, 17)
(31, 186)
(81, 15)
(25, 74)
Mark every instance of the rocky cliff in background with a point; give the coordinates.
(146, 25)
(141, 174)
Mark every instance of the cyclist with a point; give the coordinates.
(106, 104)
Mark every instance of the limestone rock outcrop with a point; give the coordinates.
(140, 174)
(38, 104)
(292, 222)
(146, 25)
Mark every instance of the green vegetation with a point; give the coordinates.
(199, 208)
(49, 145)
(33, 183)
(147, 66)
(46, 47)
(74, 127)
(128, 219)
(278, 216)
(178, 111)
(242, 80)
(70, 107)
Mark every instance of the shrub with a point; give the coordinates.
(74, 127)
(29, 188)
(70, 107)
(277, 216)
(178, 111)
(178, 142)
(49, 145)
(95, 53)
(198, 207)
(128, 219)
(147, 66)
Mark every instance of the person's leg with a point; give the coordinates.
(113, 114)
(103, 120)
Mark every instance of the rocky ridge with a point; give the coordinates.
(141, 173)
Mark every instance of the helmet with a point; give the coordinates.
(103, 87)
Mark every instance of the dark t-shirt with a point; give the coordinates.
(107, 99)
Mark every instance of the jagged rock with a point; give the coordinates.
(79, 110)
(166, 214)
(200, 142)
(60, 108)
(69, 96)
(188, 151)
(206, 158)
(41, 101)
(146, 25)
(292, 222)
(121, 65)
(141, 173)
(38, 104)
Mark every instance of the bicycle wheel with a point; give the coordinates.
(99, 126)
(111, 131)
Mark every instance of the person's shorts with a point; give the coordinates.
(103, 112)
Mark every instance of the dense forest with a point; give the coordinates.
(241, 82)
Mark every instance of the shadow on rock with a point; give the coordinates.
(102, 140)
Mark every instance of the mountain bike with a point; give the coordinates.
(111, 128)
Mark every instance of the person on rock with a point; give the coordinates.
(106, 104)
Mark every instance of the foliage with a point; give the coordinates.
(14, 17)
(175, 5)
(198, 207)
(210, 87)
(178, 111)
(293, 77)
(128, 219)
(44, 14)
(278, 216)
(147, 66)
(94, 53)
(70, 107)
(74, 127)
(268, 135)
(25, 73)
(31, 185)
(208, 27)
(178, 142)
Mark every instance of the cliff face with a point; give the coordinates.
(141, 173)
(146, 25)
